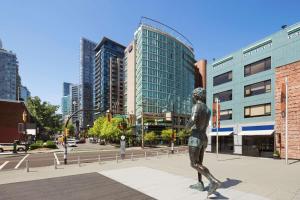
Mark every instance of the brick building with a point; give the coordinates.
(292, 72)
(11, 121)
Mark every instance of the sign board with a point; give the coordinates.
(31, 131)
(169, 116)
(215, 114)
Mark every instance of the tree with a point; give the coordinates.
(44, 114)
(183, 134)
(150, 137)
(166, 135)
(106, 130)
(71, 129)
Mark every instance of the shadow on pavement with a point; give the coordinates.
(230, 159)
(294, 162)
(229, 183)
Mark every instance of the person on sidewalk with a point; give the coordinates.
(198, 141)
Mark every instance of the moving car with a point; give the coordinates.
(10, 147)
(71, 142)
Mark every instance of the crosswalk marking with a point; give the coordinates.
(18, 165)
(3, 165)
(57, 161)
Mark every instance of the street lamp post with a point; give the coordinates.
(172, 141)
(217, 116)
(66, 124)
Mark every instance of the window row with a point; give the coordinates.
(249, 90)
(250, 69)
(260, 110)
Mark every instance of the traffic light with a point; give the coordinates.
(67, 132)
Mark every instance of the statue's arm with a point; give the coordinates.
(191, 121)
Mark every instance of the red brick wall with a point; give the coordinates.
(10, 116)
(292, 72)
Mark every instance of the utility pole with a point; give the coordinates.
(286, 121)
(142, 125)
(172, 141)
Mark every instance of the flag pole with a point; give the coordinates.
(286, 121)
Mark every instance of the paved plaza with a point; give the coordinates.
(166, 177)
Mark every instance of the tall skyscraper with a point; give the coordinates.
(87, 58)
(9, 77)
(162, 61)
(74, 104)
(66, 89)
(24, 93)
(66, 100)
(109, 76)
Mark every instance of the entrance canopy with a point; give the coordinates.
(257, 130)
(224, 133)
(249, 133)
(221, 131)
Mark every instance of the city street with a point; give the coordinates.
(82, 153)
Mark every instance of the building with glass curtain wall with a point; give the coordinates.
(87, 64)
(109, 77)
(9, 76)
(164, 72)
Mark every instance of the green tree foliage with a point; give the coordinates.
(150, 137)
(44, 114)
(166, 135)
(71, 128)
(106, 130)
(183, 134)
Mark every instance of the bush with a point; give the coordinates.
(35, 146)
(39, 144)
(150, 137)
(50, 144)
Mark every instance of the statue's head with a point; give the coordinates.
(199, 94)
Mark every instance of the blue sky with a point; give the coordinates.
(45, 34)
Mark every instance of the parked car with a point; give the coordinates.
(71, 142)
(10, 147)
(80, 141)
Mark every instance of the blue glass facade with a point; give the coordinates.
(9, 78)
(105, 50)
(87, 64)
(164, 72)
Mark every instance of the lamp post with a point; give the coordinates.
(66, 124)
(217, 116)
(25, 121)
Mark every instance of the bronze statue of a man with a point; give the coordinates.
(198, 140)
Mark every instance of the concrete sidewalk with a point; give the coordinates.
(263, 177)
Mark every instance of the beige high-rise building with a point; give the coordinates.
(129, 83)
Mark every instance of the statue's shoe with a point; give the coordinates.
(198, 186)
(213, 187)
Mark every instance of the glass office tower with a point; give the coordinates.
(87, 64)
(9, 76)
(109, 78)
(164, 72)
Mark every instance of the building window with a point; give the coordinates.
(257, 88)
(257, 110)
(223, 78)
(257, 67)
(224, 96)
(226, 114)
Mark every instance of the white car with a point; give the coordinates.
(71, 143)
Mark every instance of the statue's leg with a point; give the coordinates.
(214, 183)
(194, 153)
